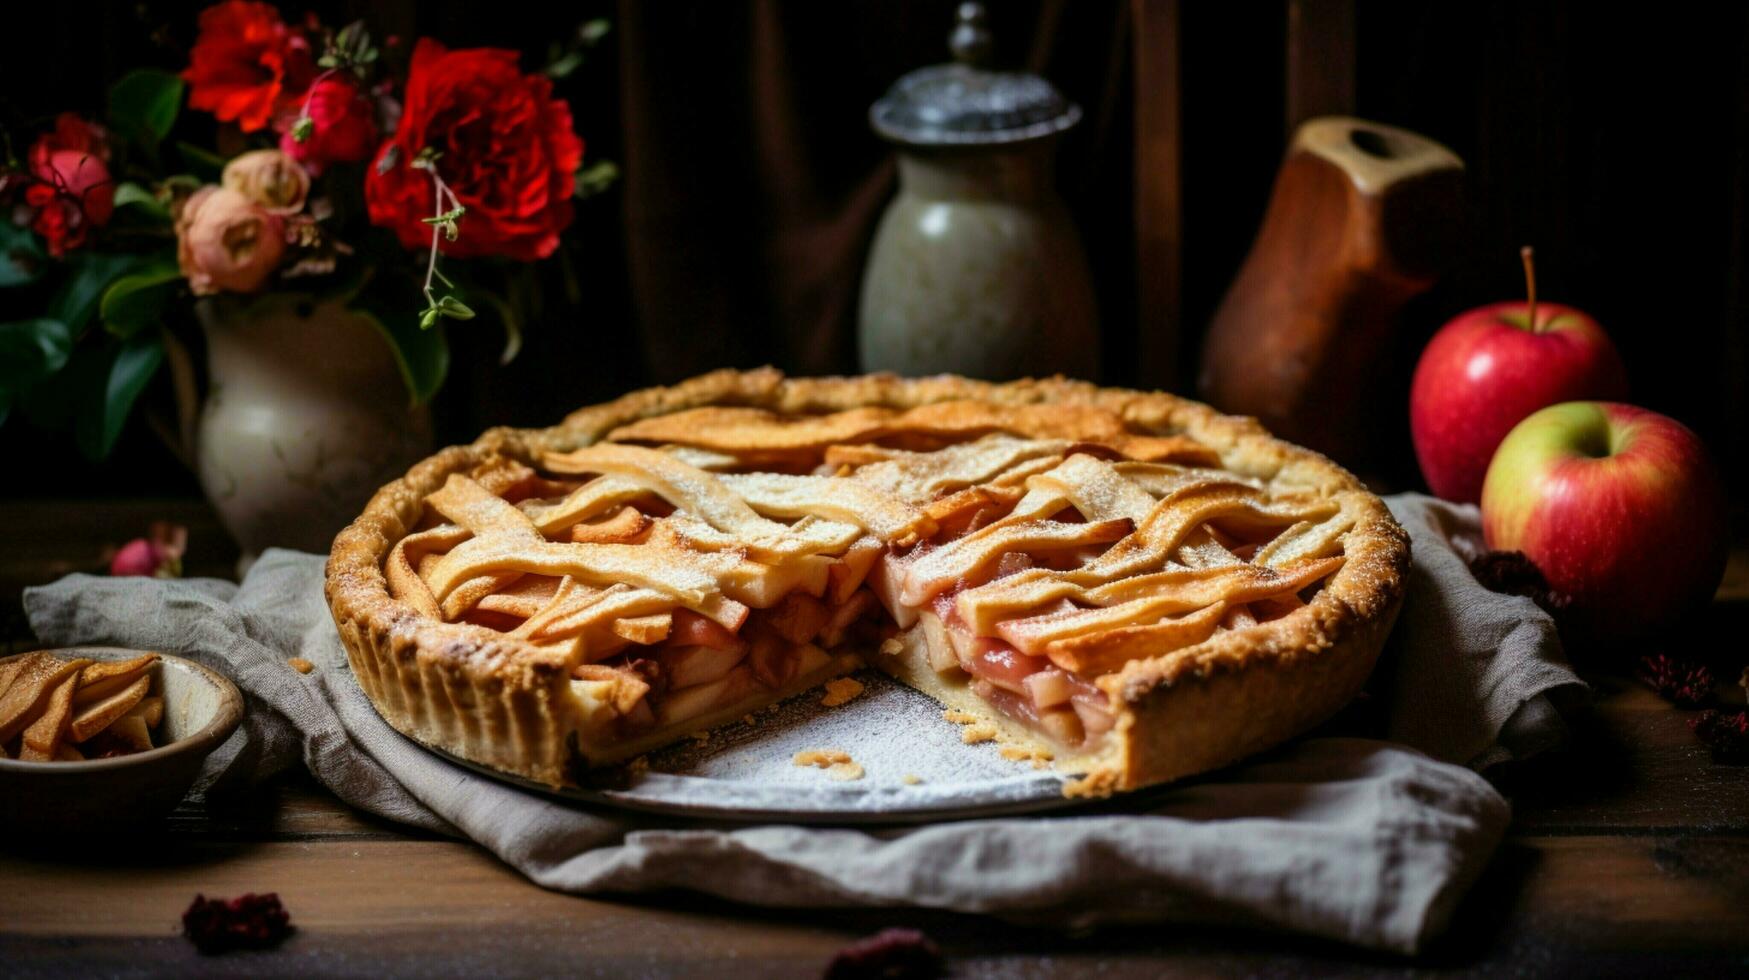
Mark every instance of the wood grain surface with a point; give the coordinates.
(1629, 855)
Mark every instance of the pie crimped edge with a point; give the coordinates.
(476, 693)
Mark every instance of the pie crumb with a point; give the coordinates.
(837, 763)
(747, 719)
(840, 690)
(978, 733)
(637, 767)
(959, 717)
(912, 779)
(1094, 786)
(823, 758)
(1040, 758)
(701, 737)
(892, 647)
(301, 665)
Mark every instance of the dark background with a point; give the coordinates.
(1617, 145)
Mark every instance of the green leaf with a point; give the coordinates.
(454, 308)
(131, 195)
(90, 273)
(31, 350)
(144, 104)
(421, 354)
(591, 33)
(21, 255)
(511, 322)
(564, 65)
(352, 45)
(52, 406)
(137, 300)
(592, 180)
(447, 217)
(205, 164)
(130, 367)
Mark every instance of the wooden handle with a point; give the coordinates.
(1362, 218)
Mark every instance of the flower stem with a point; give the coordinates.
(300, 132)
(431, 267)
(443, 221)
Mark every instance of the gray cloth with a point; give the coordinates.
(1498, 653)
(1358, 840)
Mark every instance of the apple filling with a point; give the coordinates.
(701, 668)
(688, 582)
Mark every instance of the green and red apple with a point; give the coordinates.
(1619, 507)
(1487, 369)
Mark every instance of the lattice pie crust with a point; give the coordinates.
(1130, 584)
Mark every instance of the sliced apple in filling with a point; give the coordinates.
(1009, 577)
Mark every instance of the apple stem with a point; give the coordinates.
(1529, 256)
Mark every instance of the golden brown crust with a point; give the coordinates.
(480, 694)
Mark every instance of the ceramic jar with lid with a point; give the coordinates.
(976, 268)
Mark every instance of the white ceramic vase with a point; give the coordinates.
(305, 417)
(976, 269)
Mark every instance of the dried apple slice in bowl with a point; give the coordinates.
(157, 718)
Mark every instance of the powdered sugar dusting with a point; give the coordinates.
(914, 766)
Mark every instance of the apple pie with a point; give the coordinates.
(1129, 584)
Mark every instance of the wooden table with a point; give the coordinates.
(1629, 854)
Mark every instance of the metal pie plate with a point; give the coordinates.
(746, 770)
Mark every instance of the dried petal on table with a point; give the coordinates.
(1681, 682)
(889, 954)
(1726, 733)
(250, 921)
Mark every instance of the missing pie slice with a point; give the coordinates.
(1130, 584)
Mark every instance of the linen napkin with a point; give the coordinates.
(1364, 841)
(1473, 676)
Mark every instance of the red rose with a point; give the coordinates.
(342, 127)
(246, 65)
(70, 190)
(505, 148)
(70, 133)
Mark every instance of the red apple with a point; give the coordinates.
(1487, 369)
(1620, 507)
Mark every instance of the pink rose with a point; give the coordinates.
(226, 242)
(341, 126)
(159, 555)
(270, 178)
(72, 191)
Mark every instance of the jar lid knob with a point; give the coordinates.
(971, 41)
(965, 102)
